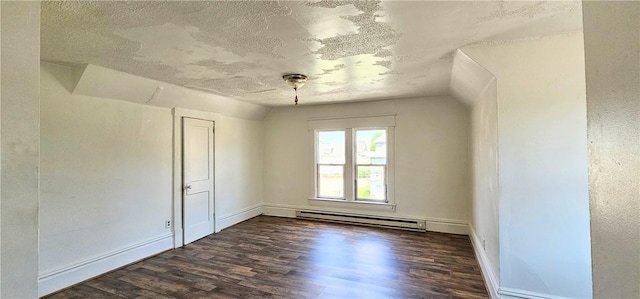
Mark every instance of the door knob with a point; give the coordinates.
(187, 187)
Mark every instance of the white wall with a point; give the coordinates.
(485, 205)
(239, 170)
(612, 50)
(106, 175)
(473, 85)
(106, 179)
(544, 207)
(431, 157)
(19, 147)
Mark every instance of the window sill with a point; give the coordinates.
(361, 205)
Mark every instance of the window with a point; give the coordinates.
(330, 166)
(353, 159)
(371, 164)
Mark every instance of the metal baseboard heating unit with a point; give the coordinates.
(397, 223)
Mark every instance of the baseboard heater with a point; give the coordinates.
(397, 223)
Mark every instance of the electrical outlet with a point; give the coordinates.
(167, 223)
(484, 244)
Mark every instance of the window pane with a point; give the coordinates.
(371, 146)
(331, 147)
(330, 181)
(371, 182)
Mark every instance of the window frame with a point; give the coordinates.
(350, 125)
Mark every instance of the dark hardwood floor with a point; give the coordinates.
(270, 257)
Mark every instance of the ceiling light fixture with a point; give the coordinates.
(296, 81)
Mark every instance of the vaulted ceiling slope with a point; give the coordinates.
(351, 50)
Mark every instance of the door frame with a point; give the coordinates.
(178, 115)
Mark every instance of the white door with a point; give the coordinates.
(197, 200)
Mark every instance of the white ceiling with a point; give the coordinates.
(351, 50)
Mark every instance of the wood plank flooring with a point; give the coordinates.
(271, 257)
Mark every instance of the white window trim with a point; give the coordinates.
(347, 123)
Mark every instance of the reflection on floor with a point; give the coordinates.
(288, 258)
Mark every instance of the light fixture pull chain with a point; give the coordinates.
(295, 81)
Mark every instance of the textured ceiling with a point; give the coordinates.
(351, 50)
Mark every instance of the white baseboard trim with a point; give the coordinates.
(490, 279)
(279, 210)
(450, 226)
(59, 279)
(236, 217)
(509, 293)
